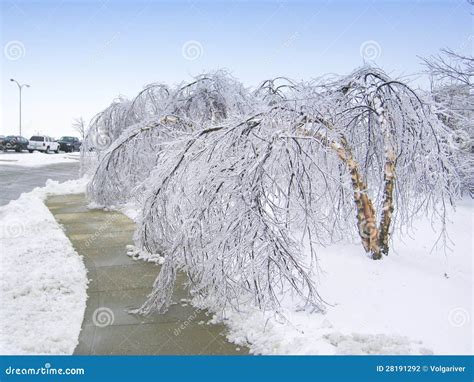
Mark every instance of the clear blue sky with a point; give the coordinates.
(79, 55)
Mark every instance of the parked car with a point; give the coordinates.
(69, 144)
(14, 142)
(43, 143)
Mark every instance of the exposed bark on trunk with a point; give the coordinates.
(387, 206)
(366, 217)
(388, 176)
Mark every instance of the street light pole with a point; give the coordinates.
(20, 87)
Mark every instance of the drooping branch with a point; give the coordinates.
(238, 189)
(128, 160)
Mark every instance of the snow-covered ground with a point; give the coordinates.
(36, 158)
(416, 301)
(413, 302)
(44, 281)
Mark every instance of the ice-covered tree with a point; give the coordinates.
(237, 187)
(128, 160)
(221, 209)
(80, 126)
(394, 149)
(130, 135)
(452, 87)
(212, 98)
(451, 67)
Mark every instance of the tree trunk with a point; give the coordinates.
(366, 217)
(388, 176)
(387, 206)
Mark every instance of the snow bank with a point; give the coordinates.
(413, 302)
(36, 159)
(43, 284)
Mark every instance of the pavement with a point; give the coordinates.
(118, 283)
(14, 180)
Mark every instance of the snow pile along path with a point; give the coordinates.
(36, 159)
(43, 284)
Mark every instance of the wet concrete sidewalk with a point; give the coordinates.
(118, 283)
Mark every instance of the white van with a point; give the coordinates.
(43, 143)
